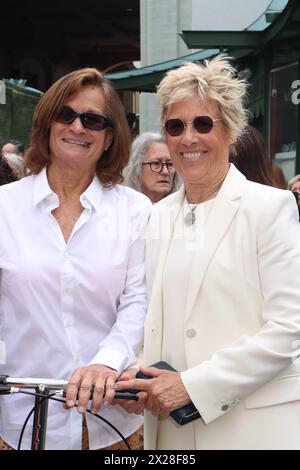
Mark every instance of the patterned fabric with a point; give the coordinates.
(136, 440)
(4, 446)
(85, 445)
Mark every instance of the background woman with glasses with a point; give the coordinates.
(150, 169)
(223, 264)
(72, 290)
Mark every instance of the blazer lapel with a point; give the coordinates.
(158, 242)
(222, 212)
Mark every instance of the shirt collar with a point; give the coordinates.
(93, 193)
(41, 188)
(42, 191)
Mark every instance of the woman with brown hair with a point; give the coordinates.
(249, 156)
(72, 286)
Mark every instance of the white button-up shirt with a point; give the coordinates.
(67, 305)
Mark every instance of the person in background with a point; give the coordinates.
(248, 155)
(6, 173)
(13, 146)
(72, 291)
(13, 152)
(150, 169)
(294, 185)
(223, 264)
(131, 119)
(278, 177)
(16, 164)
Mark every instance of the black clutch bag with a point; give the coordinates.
(182, 415)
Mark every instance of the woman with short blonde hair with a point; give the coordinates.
(223, 263)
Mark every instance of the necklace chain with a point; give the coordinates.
(191, 208)
(190, 217)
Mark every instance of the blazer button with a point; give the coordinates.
(191, 333)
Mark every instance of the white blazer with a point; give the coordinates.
(243, 309)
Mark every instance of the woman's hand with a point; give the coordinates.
(165, 390)
(131, 406)
(98, 376)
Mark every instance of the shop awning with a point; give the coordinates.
(237, 44)
(272, 23)
(146, 78)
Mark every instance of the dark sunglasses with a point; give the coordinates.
(202, 124)
(92, 121)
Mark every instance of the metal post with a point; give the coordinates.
(40, 419)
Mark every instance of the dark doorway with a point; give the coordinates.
(41, 41)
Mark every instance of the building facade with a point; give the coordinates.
(162, 21)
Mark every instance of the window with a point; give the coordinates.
(283, 118)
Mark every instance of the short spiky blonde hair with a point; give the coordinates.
(214, 79)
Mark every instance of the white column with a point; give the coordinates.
(161, 23)
(163, 20)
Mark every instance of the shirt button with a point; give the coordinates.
(191, 333)
(224, 407)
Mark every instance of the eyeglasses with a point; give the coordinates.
(92, 121)
(202, 124)
(158, 166)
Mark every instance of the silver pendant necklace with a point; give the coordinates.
(190, 217)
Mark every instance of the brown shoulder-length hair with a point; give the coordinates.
(112, 162)
(249, 155)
